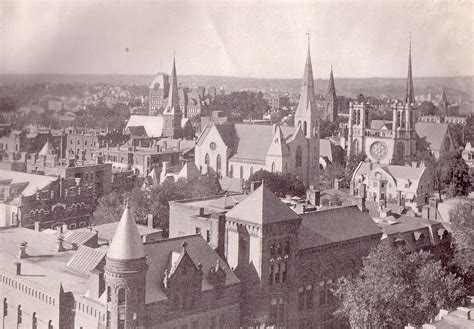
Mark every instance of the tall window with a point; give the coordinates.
(109, 294)
(298, 157)
(273, 166)
(50, 324)
(206, 159)
(34, 321)
(241, 172)
(305, 127)
(309, 296)
(20, 315)
(231, 171)
(218, 164)
(121, 308)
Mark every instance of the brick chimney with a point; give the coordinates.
(59, 244)
(149, 220)
(18, 268)
(22, 250)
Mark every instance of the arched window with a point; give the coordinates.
(20, 315)
(273, 166)
(241, 172)
(298, 157)
(34, 321)
(121, 296)
(5, 307)
(206, 159)
(218, 164)
(50, 324)
(121, 308)
(231, 171)
(109, 295)
(305, 127)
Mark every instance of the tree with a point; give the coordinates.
(394, 289)
(462, 223)
(280, 184)
(456, 175)
(328, 128)
(352, 161)
(435, 170)
(427, 108)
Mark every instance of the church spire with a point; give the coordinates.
(332, 87)
(172, 105)
(307, 104)
(410, 93)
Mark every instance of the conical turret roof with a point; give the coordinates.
(126, 243)
(262, 207)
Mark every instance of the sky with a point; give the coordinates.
(260, 39)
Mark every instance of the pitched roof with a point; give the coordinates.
(307, 98)
(278, 147)
(319, 228)
(189, 171)
(138, 131)
(126, 243)
(262, 207)
(31, 182)
(86, 259)
(334, 153)
(378, 124)
(199, 251)
(47, 149)
(153, 125)
(433, 133)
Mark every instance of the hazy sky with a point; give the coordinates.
(248, 39)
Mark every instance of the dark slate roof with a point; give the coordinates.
(86, 259)
(137, 131)
(334, 153)
(320, 228)
(158, 255)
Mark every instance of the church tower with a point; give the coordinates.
(403, 123)
(125, 276)
(307, 117)
(172, 114)
(331, 98)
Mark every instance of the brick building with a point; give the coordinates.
(173, 283)
(29, 200)
(286, 262)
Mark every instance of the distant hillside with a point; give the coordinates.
(394, 87)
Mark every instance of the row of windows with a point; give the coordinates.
(27, 290)
(214, 323)
(89, 310)
(278, 273)
(306, 295)
(19, 316)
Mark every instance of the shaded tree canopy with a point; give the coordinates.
(394, 289)
(352, 161)
(247, 104)
(280, 184)
(462, 223)
(154, 201)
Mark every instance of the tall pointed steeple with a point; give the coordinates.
(307, 104)
(443, 103)
(332, 87)
(410, 93)
(172, 106)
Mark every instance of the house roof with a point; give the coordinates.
(334, 153)
(189, 171)
(126, 243)
(47, 149)
(158, 257)
(153, 125)
(334, 225)
(433, 133)
(262, 207)
(138, 131)
(32, 182)
(85, 259)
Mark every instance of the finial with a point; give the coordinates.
(307, 33)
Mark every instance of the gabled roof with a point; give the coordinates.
(153, 125)
(189, 171)
(262, 207)
(379, 124)
(278, 147)
(47, 149)
(433, 133)
(85, 259)
(126, 243)
(199, 251)
(31, 182)
(334, 225)
(334, 153)
(137, 131)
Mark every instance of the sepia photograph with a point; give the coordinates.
(245, 164)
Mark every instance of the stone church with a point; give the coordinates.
(385, 142)
(239, 150)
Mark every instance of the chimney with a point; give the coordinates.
(64, 227)
(59, 244)
(313, 196)
(59, 229)
(425, 212)
(179, 145)
(201, 212)
(22, 250)
(399, 198)
(362, 195)
(149, 220)
(37, 226)
(18, 268)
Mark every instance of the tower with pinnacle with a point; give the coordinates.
(125, 276)
(307, 117)
(172, 113)
(332, 105)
